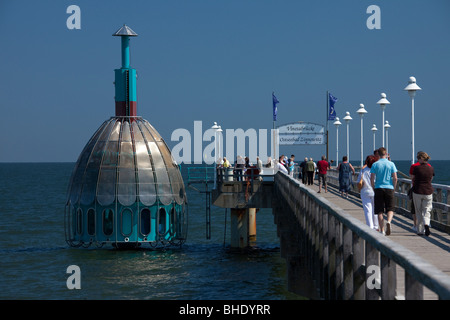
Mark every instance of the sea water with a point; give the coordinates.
(35, 256)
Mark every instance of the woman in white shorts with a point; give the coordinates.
(367, 194)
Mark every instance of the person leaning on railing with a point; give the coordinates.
(226, 163)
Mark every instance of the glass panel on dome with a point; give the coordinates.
(80, 168)
(162, 177)
(144, 129)
(89, 184)
(106, 189)
(126, 134)
(126, 191)
(92, 169)
(147, 188)
(174, 173)
(136, 131)
(177, 184)
(152, 130)
(115, 132)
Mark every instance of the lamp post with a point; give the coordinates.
(383, 102)
(386, 127)
(362, 111)
(218, 141)
(215, 127)
(347, 119)
(337, 123)
(412, 87)
(374, 130)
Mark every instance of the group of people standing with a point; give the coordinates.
(377, 182)
(308, 169)
(286, 165)
(242, 165)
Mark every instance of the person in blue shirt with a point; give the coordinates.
(383, 177)
(291, 165)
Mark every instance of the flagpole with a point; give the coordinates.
(327, 123)
(274, 137)
(273, 131)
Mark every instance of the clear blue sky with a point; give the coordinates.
(220, 61)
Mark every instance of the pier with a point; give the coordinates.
(326, 235)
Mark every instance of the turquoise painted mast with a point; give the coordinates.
(126, 188)
(125, 77)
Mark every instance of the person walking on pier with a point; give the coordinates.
(323, 166)
(413, 211)
(367, 194)
(239, 167)
(423, 192)
(291, 165)
(310, 167)
(345, 169)
(383, 178)
(303, 170)
(280, 166)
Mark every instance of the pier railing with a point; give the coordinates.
(441, 199)
(206, 174)
(346, 258)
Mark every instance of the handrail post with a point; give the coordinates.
(332, 257)
(413, 288)
(371, 260)
(359, 270)
(325, 283)
(347, 259)
(388, 278)
(316, 266)
(320, 214)
(339, 261)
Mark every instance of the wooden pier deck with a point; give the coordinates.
(435, 249)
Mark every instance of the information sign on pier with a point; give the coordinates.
(301, 133)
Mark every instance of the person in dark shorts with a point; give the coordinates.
(383, 177)
(323, 165)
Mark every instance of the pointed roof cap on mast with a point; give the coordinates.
(125, 31)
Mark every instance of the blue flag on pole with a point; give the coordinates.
(331, 111)
(275, 111)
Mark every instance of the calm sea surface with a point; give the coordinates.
(34, 255)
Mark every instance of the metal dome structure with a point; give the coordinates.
(126, 189)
